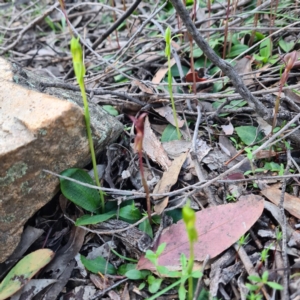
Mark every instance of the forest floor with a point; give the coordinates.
(197, 92)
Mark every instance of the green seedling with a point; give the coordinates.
(138, 146)
(260, 282)
(263, 256)
(154, 283)
(244, 240)
(98, 264)
(79, 70)
(187, 273)
(230, 198)
(168, 40)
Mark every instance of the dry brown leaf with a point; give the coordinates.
(243, 66)
(143, 87)
(218, 228)
(167, 113)
(265, 154)
(161, 205)
(161, 73)
(291, 203)
(168, 179)
(176, 147)
(153, 147)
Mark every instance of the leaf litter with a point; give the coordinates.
(230, 128)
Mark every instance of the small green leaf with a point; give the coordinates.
(151, 256)
(259, 36)
(175, 71)
(202, 62)
(286, 46)
(83, 196)
(266, 47)
(169, 134)
(254, 278)
(275, 285)
(182, 292)
(146, 227)
(252, 287)
(248, 134)
(88, 220)
(272, 166)
(163, 271)
(111, 110)
(23, 271)
(130, 214)
(265, 274)
(154, 284)
(237, 50)
(160, 249)
(98, 264)
(176, 214)
(142, 285)
(197, 52)
(197, 274)
(183, 260)
(125, 268)
(134, 275)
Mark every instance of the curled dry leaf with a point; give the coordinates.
(161, 73)
(218, 228)
(168, 179)
(153, 148)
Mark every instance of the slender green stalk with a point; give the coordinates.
(168, 55)
(79, 69)
(189, 219)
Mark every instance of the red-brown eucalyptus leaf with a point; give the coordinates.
(218, 228)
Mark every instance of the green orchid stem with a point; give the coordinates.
(91, 143)
(168, 55)
(190, 270)
(172, 98)
(79, 70)
(189, 219)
